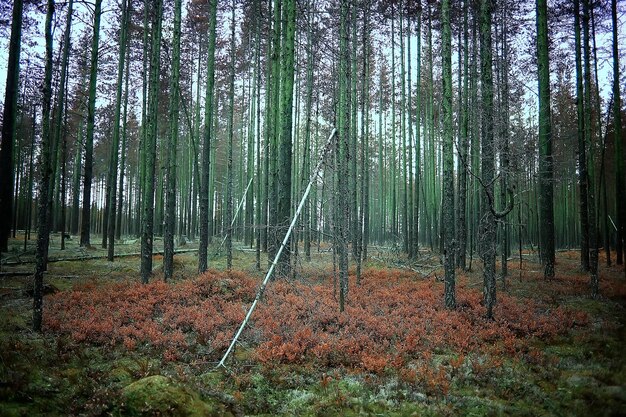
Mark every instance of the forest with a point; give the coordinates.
(312, 207)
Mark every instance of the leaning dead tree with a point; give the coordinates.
(270, 271)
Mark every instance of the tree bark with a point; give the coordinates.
(9, 117)
(206, 145)
(449, 243)
(172, 147)
(43, 230)
(91, 110)
(546, 185)
(147, 227)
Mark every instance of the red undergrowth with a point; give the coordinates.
(391, 320)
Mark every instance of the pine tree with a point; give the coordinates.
(147, 227)
(112, 183)
(546, 163)
(172, 146)
(620, 180)
(43, 231)
(9, 117)
(449, 240)
(91, 115)
(488, 225)
(286, 120)
(206, 143)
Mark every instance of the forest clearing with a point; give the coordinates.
(113, 346)
(312, 207)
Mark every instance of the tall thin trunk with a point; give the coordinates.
(546, 186)
(172, 146)
(285, 146)
(448, 161)
(504, 151)
(306, 165)
(91, 110)
(343, 118)
(147, 227)
(418, 139)
(488, 221)
(365, 107)
(620, 180)
(9, 118)
(257, 68)
(229, 158)
(582, 154)
(206, 146)
(120, 201)
(30, 179)
(43, 232)
(464, 149)
(110, 231)
(593, 228)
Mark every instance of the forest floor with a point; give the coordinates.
(112, 346)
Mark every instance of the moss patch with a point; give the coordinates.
(159, 396)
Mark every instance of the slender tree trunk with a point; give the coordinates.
(418, 139)
(30, 178)
(306, 165)
(365, 160)
(593, 227)
(172, 147)
(91, 109)
(112, 185)
(488, 221)
(448, 160)
(342, 157)
(147, 227)
(259, 203)
(582, 154)
(504, 151)
(229, 186)
(620, 180)
(9, 117)
(120, 202)
(206, 152)
(464, 149)
(285, 146)
(546, 181)
(43, 232)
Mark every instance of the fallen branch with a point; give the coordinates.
(261, 289)
(15, 274)
(93, 257)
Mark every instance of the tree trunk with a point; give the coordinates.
(285, 146)
(43, 231)
(228, 220)
(620, 180)
(110, 231)
(172, 146)
(147, 229)
(582, 154)
(91, 110)
(488, 221)
(546, 186)
(9, 117)
(449, 240)
(206, 146)
(593, 227)
(342, 157)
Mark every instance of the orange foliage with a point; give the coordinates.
(391, 321)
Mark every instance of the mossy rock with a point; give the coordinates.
(159, 396)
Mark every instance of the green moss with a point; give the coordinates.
(159, 396)
(14, 410)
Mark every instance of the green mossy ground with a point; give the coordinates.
(582, 373)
